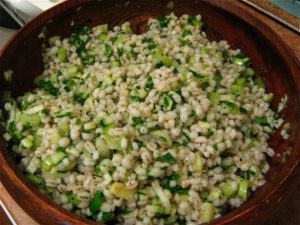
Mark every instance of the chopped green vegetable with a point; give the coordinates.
(169, 158)
(163, 21)
(62, 54)
(243, 189)
(149, 84)
(105, 216)
(168, 102)
(35, 179)
(107, 50)
(218, 78)
(137, 121)
(207, 212)
(96, 203)
(192, 20)
(262, 121)
(259, 82)
(81, 97)
(48, 87)
(72, 198)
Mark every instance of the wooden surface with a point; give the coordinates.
(289, 214)
(278, 13)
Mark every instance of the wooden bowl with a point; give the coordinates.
(270, 56)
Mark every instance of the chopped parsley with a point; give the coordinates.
(96, 203)
(169, 158)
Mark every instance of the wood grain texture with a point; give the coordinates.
(270, 55)
(281, 15)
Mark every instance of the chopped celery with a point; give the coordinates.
(113, 142)
(116, 63)
(47, 164)
(207, 212)
(62, 54)
(161, 58)
(89, 126)
(103, 28)
(163, 136)
(215, 194)
(156, 172)
(27, 142)
(203, 124)
(198, 164)
(102, 148)
(233, 108)
(55, 138)
(126, 28)
(69, 167)
(37, 140)
(241, 60)
(161, 194)
(243, 189)
(107, 128)
(34, 110)
(259, 82)
(121, 191)
(36, 180)
(33, 120)
(109, 80)
(228, 188)
(57, 157)
(249, 72)
(214, 97)
(103, 37)
(236, 89)
(226, 162)
(107, 120)
(63, 129)
(241, 81)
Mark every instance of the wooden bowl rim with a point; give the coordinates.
(20, 183)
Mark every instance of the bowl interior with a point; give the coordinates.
(269, 59)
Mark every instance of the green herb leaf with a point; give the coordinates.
(262, 121)
(81, 97)
(72, 198)
(197, 75)
(186, 32)
(259, 82)
(186, 136)
(96, 203)
(218, 78)
(48, 87)
(61, 149)
(105, 216)
(137, 121)
(209, 133)
(97, 170)
(149, 84)
(177, 189)
(169, 158)
(107, 50)
(163, 21)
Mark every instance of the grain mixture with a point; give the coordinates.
(164, 127)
